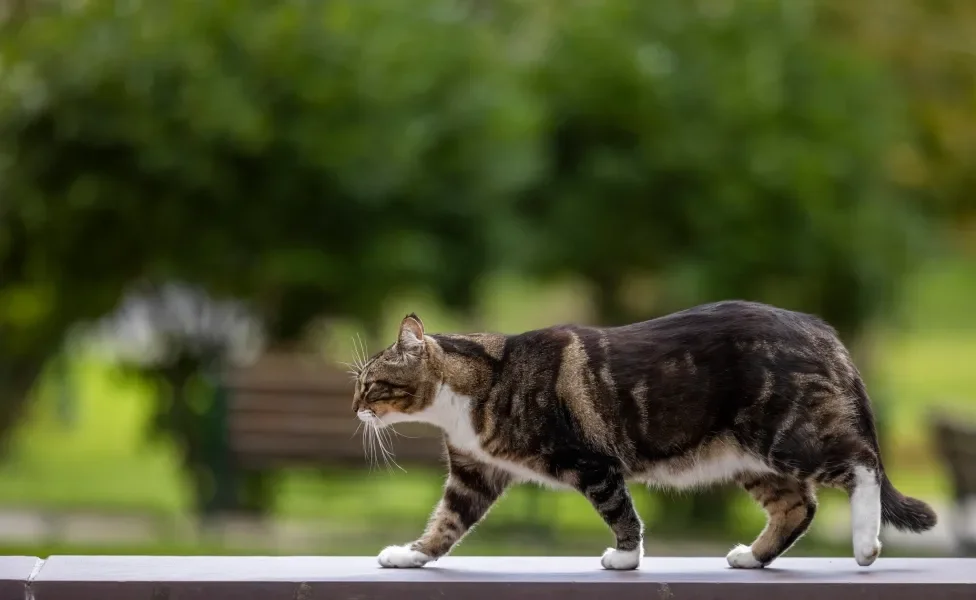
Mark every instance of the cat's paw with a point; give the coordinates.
(402, 557)
(621, 560)
(867, 552)
(741, 557)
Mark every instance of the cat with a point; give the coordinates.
(732, 391)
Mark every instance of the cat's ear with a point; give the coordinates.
(411, 338)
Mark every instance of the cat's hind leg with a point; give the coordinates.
(790, 506)
(861, 478)
(865, 496)
(863, 485)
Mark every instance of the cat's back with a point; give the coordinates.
(728, 321)
(726, 331)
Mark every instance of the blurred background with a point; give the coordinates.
(206, 207)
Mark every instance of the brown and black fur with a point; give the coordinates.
(662, 402)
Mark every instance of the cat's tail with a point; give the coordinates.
(902, 512)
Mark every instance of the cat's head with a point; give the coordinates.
(398, 382)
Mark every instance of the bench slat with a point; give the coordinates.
(297, 411)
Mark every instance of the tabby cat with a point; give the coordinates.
(729, 391)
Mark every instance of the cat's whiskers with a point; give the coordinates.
(380, 442)
(365, 448)
(362, 352)
(374, 460)
(353, 369)
(390, 454)
(359, 357)
(398, 434)
(369, 444)
(384, 442)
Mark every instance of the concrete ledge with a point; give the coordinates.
(494, 578)
(15, 572)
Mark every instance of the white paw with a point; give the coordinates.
(741, 558)
(402, 557)
(619, 560)
(866, 553)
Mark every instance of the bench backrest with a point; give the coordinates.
(289, 410)
(956, 442)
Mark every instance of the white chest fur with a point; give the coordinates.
(451, 412)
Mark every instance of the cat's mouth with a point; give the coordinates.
(373, 418)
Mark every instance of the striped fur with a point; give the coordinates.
(730, 391)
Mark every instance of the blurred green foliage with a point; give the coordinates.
(930, 47)
(312, 156)
(317, 157)
(726, 148)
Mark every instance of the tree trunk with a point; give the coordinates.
(219, 487)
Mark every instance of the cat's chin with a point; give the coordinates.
(392, 418)
(384, 421)
(381, 421)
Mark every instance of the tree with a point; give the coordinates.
(736, 154)
(310, 157)
(723, 150)
(279, 152)
(929, 48)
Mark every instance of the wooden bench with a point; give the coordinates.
(956, 443)
(296, 411)
(290, 411)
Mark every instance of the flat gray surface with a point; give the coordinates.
(514, 578)
(491, 569)
(14, 573)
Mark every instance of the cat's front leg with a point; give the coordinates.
(471, 489)
(607, 492)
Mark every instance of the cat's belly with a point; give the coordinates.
(717, 462)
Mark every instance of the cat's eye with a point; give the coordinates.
(382, 386)
(390, 385)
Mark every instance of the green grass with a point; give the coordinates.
(101, 460)
(928, 365)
